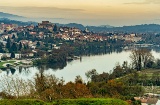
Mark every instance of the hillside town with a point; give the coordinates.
(32, 37)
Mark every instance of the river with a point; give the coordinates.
(102, 63)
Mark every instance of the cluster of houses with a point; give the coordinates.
(66, 33)
(128, 38)
(7, 27)
(8, 55)
(48, 29)
(149, 99)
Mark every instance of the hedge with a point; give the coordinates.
(91, 102)
(21, 102)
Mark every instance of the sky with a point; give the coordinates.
(87, 12)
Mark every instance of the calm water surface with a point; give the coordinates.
(102, 63)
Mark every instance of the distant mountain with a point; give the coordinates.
(136, 28)
(90, 28)
(99, 28)
(13, 17)
(143, 28)
(107, 26)
(7, 15)
(20, 23)
(80, 26)
(20, 20)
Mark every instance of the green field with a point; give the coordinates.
(22, 102)
(93, 101)
(4, 62)
(145, 75)
(86, 101)
(148, 72)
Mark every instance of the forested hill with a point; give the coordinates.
(91, 28)
(136, 29)
(4, 15)
(20, 23)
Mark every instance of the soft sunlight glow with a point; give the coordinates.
(87, 12)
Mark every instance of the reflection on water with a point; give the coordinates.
(156, 49)
(19, 70)
(69, 70)
(12, 70)
(52, 66)
(26, 70)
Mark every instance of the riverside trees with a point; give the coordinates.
(140, 58)
(50, 88)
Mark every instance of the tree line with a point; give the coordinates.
(49, 88)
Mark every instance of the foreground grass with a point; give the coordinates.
(22, 102)
(96, 101)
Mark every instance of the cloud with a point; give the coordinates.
(152, 1)
(145, 2)
(52, 12)
(51, 9)
(41, 9)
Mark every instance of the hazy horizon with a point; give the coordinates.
(87, 12)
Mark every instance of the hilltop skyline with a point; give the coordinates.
(91, 12)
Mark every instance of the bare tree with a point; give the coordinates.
(140, 58)
(15, 86)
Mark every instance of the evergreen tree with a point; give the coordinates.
(20, 46)
(55, 29)
(12, 55)
(1, 48)
(13, 36)
(38, 44)
(13, 47)
(8, 45)
(51, 46)
(26, 47)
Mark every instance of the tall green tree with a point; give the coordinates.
(20, 46)
(1, 48)
(12, 55)
(55, 29)
(26, 47)
(38, 44)
(13, 36)
(91, 74)
(13, 47)
(8, 45)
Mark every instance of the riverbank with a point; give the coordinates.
(13, 63)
